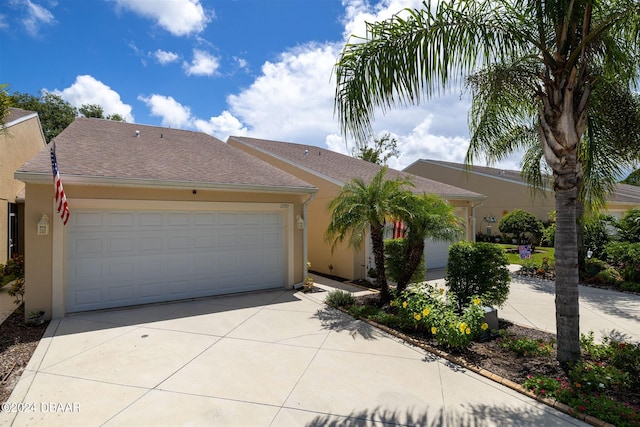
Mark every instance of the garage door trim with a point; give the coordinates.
(59, 232)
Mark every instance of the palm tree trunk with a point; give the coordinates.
(566, 255)
(377, 243)
(413, 256)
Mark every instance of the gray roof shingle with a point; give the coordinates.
(15, 114)
(342, 168)
(91, 149)
(623, 193)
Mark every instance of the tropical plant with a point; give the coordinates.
(519, 223)
(362, 207)
(427, 216)
(596, 235)
(629, 226)
(540, 74)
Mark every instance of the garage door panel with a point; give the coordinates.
(118, 258)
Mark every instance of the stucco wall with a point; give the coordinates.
(346, 262)
(18, 144)
(40, 256)
(502, 196)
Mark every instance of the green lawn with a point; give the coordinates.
(541, 252)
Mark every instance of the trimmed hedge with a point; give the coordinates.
(478, 269)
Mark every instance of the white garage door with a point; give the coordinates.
(126, 257)
(436, 253)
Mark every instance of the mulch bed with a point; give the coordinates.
(18, 341)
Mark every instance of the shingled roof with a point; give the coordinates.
(341, 169)
(623, 193)
(96, 151)
(16, 115)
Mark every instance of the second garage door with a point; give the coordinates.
(125, 257)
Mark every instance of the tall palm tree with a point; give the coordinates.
(362, 207)
(532, 65)
(430, 216)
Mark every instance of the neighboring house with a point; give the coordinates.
(506, 191)
(20, 140)
(329, 171)
(157, 214)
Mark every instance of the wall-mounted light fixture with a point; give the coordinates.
(299, 222)
(43, 225)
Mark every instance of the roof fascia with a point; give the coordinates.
(290, 162)
(45, 178)
(462, 169)
(20, 120)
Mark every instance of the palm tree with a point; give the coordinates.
(430, 217)
(532, 65)
(362, 207)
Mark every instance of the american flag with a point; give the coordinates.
(399, 230)
(61, 200)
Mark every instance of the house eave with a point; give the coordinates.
(46, 178)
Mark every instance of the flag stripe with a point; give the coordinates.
(62, 207)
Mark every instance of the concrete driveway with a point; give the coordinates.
(277, 358)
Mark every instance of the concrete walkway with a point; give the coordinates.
(279, 358)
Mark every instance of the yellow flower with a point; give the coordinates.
(485, 326)
(404, 304)
(462, 326)
(467, 331)
(417, 316)
(433, 330)
(426, 312)
(393, 303)
(441, 291)
(477, 301)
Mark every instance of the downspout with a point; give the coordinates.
(305, 238)
(473, 220)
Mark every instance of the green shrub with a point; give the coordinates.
(596, 237)
(521, 224)
(16, 290)
(594, 265)
(629, 226)
(625, 256)
(14, 269)
(526, 347)
(394, 261)
(436, 312)
(339, 298)
(610, 277)
(630, 286)
(478, 269)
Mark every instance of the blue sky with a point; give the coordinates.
(261, 68)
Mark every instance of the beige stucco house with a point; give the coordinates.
(506, 191)
(20, 140)
(157, 214)
(329, 171)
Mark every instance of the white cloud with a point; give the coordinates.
(293, 98)
(202, 64)
(3, 21)
(87, 90)
(173, 113)
(165, 57)
(221, 126)
(36, 17)
(179, 17)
